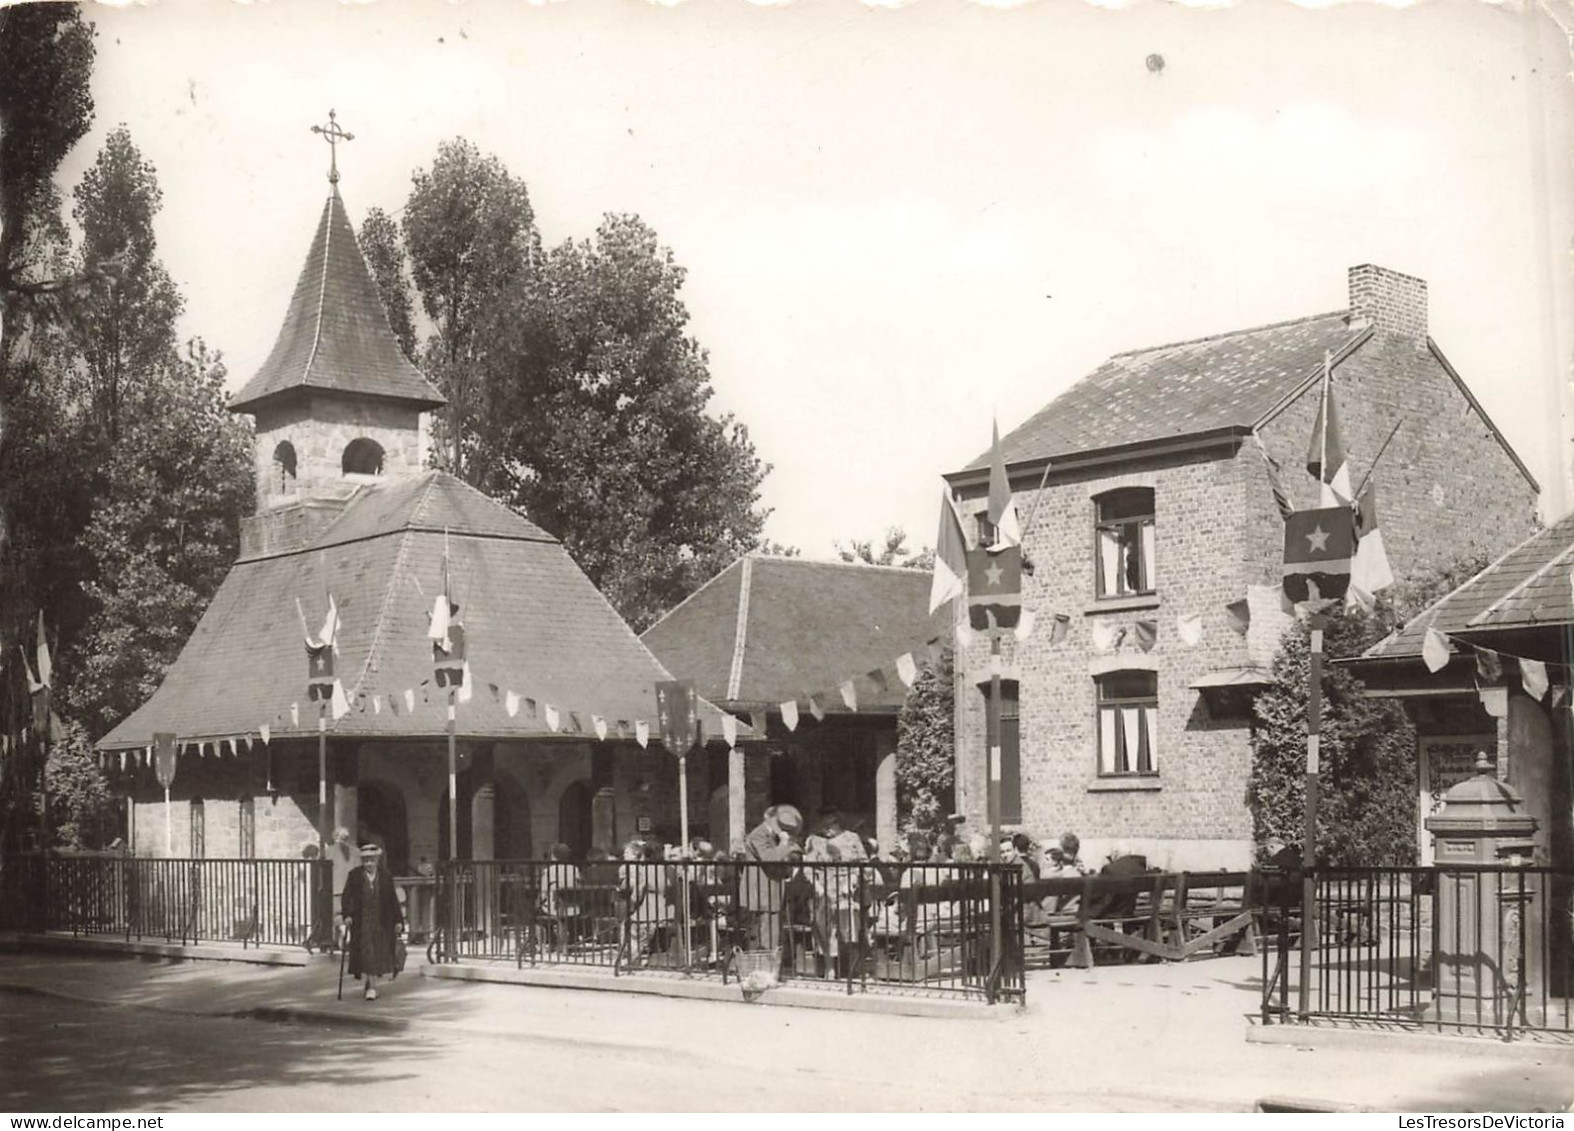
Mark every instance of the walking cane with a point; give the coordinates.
(344, 950)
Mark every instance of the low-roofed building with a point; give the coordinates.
(770, 631)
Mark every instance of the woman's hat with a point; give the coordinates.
(371, 850)
(788, 817)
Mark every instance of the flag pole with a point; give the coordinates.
(1323, 479)
(322, 775)
(1314, 713)
(992, 850)
(453, 779)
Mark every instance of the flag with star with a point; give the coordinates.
(994, 586)
(320, 651)
(1318, 546)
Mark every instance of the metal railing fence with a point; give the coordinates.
(253, 902)
(953, 929)
(1453, 948)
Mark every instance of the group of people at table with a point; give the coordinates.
(789, 891)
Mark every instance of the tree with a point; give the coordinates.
(926, 750)
(1367, 785)
(162, 537)
(470, 234)
(46, 106)
(597, 425)
(380, 244)
(123, 326)
(81, 805)
(894, 552)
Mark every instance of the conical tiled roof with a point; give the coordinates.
(335, 334)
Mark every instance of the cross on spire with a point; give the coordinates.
(333, 135)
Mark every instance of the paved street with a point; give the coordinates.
(137, 1035)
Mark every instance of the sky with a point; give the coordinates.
(900, 223)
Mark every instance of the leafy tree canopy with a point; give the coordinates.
(893, 552)
(576, 393)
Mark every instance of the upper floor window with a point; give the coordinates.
(1128, 706)
(1125, 542)
(363, 457)
(284, 468)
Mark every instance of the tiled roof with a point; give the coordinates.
(335, 334)
(1176, 390)
(1527, 587)
(807, 626)
(534, 625)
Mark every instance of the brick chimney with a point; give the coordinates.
(1388, 300)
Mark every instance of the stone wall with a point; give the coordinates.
(319, 426)
(284, 824)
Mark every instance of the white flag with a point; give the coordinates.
(906, 669)
(599, 725)
(641, 732)
(1495, 700)
(1190, 628)
(438, 629)
(340, 705)
(511, 703)
(1533, 674)
(790, 714)
(467, 687)
(1435, 650)
(1024, 627)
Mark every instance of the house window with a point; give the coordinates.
(248, 828)
(1128, 706)
(1010, 750)
(1125, 542)
(199, 830)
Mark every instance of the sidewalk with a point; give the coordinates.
(1162, 1037)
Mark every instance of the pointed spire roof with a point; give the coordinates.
(335, 335)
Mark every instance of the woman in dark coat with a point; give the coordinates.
(371, 909)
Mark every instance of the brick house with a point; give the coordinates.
(345, 508)
(767, 630)
(1156, 545)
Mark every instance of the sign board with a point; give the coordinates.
(678, 714)
(164, 758)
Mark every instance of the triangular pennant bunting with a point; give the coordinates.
(849, 694)
(790, 714)
(1533, 674)
(906, 669)
(729, 730)
(642, 733)
(1435, 651)
(1025, 624)
(511, 703)
(1189, 629)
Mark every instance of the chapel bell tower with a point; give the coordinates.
(337, 404)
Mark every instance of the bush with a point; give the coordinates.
(926, 750)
